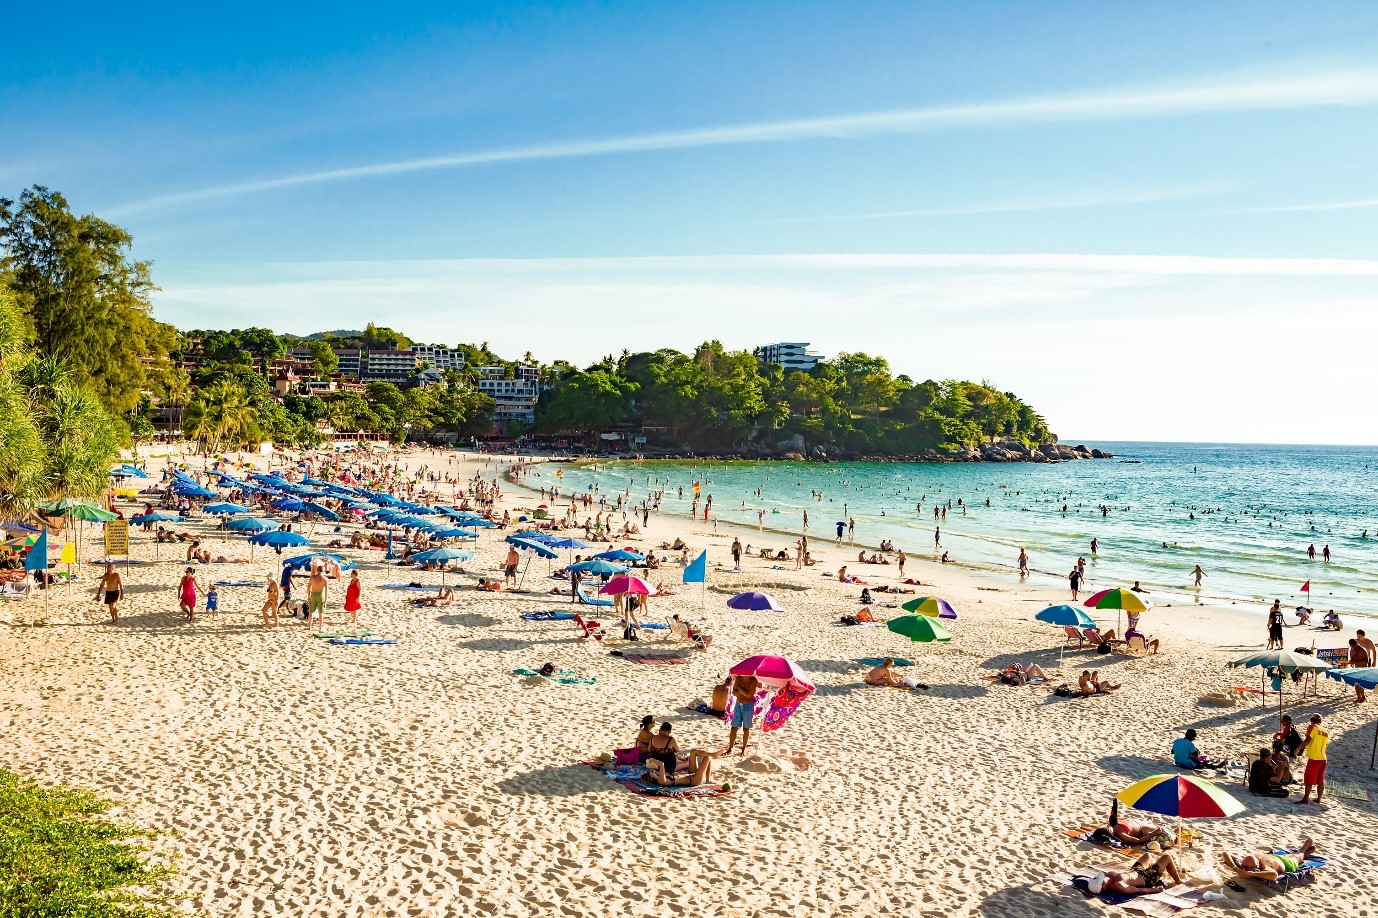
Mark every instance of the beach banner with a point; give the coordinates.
(37, 558)
(697, 571)
(68, 555)
(116, 538)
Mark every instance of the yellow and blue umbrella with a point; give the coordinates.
(932, 606)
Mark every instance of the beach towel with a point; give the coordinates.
(1156, 905)
(548, 616)
(239, 583)
(119, 562)
(560, 677)
(877, 661)
(1283, 882)
(653, 658)
(1113, 845)
(367, 640)
(408, 587)
(343, 634)
(655, 626)
(633, 778)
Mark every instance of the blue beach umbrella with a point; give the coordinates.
(249, 524)
(289, 505)
(598, 566)
(224, 508)
(157, 516)
(442, 556)
(319, 510)
(303, 561)
(192, 489)
(536, 548)
(1067, 616)
(620, 554)
(279, 539)
(454, 533)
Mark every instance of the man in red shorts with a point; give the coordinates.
(1317, 738)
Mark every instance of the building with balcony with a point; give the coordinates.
(438, 356)
(513, 399)
(792, 355)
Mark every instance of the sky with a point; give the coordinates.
(1150, 221)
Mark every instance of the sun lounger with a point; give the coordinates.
(16, 589)
(591, 628)
(1274, 880)
(1074, 635)
(588, 600)
(548, 616)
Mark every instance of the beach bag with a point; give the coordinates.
(1065, 691)
(629, 633)
(1104, 648)
(626, 756)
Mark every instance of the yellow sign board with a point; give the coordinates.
(69, 553)
(116, 538)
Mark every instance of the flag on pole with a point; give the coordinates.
(1306, 587)
(697, 571)
(37, 558)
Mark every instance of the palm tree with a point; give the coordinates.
(221, 415)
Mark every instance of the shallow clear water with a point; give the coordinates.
(1245, 513)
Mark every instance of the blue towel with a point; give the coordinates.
(548, 616)
(410, 588)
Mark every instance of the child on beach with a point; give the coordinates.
(212, 601)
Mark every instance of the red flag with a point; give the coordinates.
(1306, 587)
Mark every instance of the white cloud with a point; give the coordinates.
(1343, 87)
(1077, 200)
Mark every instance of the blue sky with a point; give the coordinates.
(1153, 221)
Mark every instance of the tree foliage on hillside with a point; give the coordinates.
(721, 400)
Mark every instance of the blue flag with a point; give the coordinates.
(37, 558)
(697, 571)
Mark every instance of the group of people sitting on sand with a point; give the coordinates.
(873, 558)
(666, 764)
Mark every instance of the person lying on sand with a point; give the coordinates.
(444, 598)
(883, 588)
(698, 770)
(1144, 876)
(1090, 683)
(1023, 674)
(1277, 863)
(1129, 831)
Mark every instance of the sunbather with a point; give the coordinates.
(1144, 876)
(1090, 683)
(644, 737)
(884, 674)
(1132, 831)
(698, 770)
(1278, 863)
(1017, 674)
(444, 598)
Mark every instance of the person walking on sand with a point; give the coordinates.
(186, 594)
(1074, 579)
(315, 595)
(1023, 564)
(744, 690)
(736, 554)
(270, 604)
(1198, 574)
(352, 592)
(111, 590)
(899, 560)
(509, 567)
(1313, 747)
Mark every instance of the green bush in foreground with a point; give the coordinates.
(58, 859)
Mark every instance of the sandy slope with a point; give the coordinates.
(298, 778)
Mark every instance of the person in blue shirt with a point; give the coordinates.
(1186, 755)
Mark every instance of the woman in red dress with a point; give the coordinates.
(351, 603)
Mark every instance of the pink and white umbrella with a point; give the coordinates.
(774, 671)
(627, 583)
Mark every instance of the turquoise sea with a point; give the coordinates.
(1245, 513)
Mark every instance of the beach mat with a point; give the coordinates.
(409, 588)
(1348, 790)
(239, 583)
(325, 636)
(1133, 852)
(653, 658)
(548, 616)
(118, 562)
(876, 661)
(1156, 905)
(674, 793)
(338, 642)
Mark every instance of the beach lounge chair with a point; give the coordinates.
(1274, 880)
(680, 630)
(1092, 637)
(591, 628)
(588, 600)
(16, 589)
(1074, 635)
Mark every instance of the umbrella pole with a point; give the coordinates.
(1374, 755)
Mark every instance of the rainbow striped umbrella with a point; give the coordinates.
(1127, 600)
(932, 606)
(1180, 796)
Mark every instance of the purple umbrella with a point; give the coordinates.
(754, 602)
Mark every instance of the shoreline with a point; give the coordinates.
(1248, 608)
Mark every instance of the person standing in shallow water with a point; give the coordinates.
(1198, 574)
(1074, 579)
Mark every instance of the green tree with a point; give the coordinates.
(86, 301)
(325, 358)
(221, 417)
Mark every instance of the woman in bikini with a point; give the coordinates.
(661, 750)
(643, 739)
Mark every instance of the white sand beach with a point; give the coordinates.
(292, 777)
